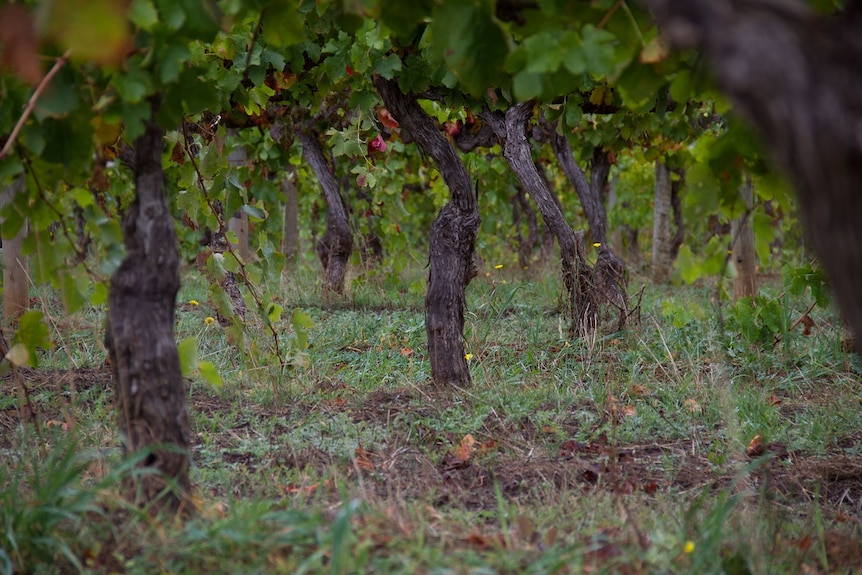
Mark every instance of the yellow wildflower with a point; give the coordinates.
(597, 245)
(498, 267)
(468, 357)
(194, 302)
(209, 320)
(689, 547)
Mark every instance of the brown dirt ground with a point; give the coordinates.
(512, 457)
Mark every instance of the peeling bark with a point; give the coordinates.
(796, 77)
(336, 245)
(149, 388)
(452, 241)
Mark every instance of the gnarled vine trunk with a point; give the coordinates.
(149, 389)
(609, 272)
(511, 128)
(452, 241)
(796, 77)
(336, 245)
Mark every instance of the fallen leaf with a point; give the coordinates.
(806, 321)
(406, 351)
(636, 390)
(755, 447)
(488, 445)
(775, 400)
(692, 405)
(629, 411)
(363, 459)
(650, 488)
(465, 449)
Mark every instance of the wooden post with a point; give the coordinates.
(238, 222)
(744, 257)
(16, 274)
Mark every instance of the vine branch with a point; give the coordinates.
(31, 103)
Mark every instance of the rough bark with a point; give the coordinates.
(661, 238)
(336, 245)
(151, 397)
(290, 225)
(511, 128)
(452, 241)
(796, 77)
(609, 271)
(744, 258)
(16, 275)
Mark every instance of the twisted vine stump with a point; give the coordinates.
(452, 241)
(149, 388)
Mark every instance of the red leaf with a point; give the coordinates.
(452, 128)
(378, 144)
(386, 119)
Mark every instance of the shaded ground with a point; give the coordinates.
(526, 463)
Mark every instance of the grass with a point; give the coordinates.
(630, 452)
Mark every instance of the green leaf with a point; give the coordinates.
(544, 52)
(99, 296)
(134, 84)
(387, 66)
(471, 42)
(135, 116)
(688, 266)
(188, 352)
(254, 211)
(274, 313)
(67, 141)
(83, 197)
(172, 62)
(210, 373)
(404, 17)
(527, 85)
(301, 320)
(680, 87)
(143, 14)
(639, 85)
(71, 292)
(32, 334)
(573, 114)
(282, 24)
(598, 50)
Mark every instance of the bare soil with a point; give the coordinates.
(517, 457)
